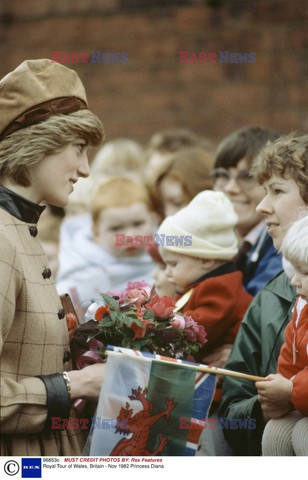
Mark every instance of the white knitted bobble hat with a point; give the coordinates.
(210, 220)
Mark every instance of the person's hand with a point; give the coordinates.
(218, 357)
(274, 395)
(86, 383)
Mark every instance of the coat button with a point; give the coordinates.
(33, 231)
(46, 273)
(61, 313)
(67, 356)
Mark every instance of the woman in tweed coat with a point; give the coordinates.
(45, 129)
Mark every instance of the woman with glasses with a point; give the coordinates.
(258, 259)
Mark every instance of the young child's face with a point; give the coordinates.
(130, 221)
(172, 195)
(280, 206)
(162, 284)
(300, 280)
(182, 270)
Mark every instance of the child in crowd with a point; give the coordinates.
(257, 260)
(165, 142)
(209, 289)
(183, 175)
(161, 282)
(96, 259)
(208, 286)
(119, 157)
(288, 434)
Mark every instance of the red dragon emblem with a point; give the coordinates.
(139, 425)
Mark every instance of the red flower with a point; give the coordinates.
(100, 312)
(138, 330)
(71, 321)
(162, 307)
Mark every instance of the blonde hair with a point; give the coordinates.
(295, 244)
(118, 193)
(119, 157)
(29, 146)
(286, 157)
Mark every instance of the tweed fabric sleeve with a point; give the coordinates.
(27, 396)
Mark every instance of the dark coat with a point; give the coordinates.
(256, 350)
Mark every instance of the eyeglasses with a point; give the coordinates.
(222, 177)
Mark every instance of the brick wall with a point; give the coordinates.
(153, 90)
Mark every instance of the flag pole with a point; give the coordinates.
(199, 368)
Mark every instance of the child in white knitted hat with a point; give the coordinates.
(208, 287)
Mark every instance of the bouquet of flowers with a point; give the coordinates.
(138, 319)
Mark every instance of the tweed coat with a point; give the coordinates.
(33, 341)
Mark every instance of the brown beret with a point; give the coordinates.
(36, 90)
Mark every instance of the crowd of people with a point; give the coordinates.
(243, 274)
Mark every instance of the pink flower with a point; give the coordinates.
(137, 295)
(191, 335)
(195, 332)
(178, 321)
(201, 335)
(139, 285)
(135, 291)
(162, 307)
(119, 295)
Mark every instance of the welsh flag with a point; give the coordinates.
(145, 404)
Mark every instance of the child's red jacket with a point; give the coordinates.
(218, 302)
(293, 358)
